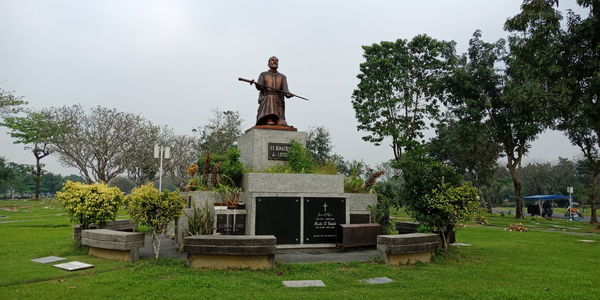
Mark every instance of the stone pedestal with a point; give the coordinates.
(402, 249)
(263, 148)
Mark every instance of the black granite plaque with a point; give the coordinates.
(321, 217)
(231, 224)
(279, 216)
(360, 218)
(278, 151)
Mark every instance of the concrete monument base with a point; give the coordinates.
(112, 254)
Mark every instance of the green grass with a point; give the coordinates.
(500, 265)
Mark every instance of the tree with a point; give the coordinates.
(100, 143)
(447, 206)
(125, 184)
(6, 173)
(399, 89)
(147, 206)
(143, 167)
(531, 76)
(513, 108)
(579, 111)
(184, 152)
(469, 146)
(9, 104)
(36, 131)
(318, 143)
(221, 132)
(428, 194)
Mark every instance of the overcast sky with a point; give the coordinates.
(173, 62)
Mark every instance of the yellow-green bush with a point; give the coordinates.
(90, 203)
(147, 206)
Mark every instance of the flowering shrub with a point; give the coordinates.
(147, 206)
(90, 203)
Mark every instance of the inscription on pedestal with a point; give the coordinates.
(321, 217)
(278, 151)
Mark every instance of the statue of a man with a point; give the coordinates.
(271, 109)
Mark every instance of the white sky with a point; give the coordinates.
(175, 61)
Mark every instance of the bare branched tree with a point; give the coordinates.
(100, 143)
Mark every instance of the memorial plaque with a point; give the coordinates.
(279, 216)
(321, 217)
(278, 151)
(231, 224)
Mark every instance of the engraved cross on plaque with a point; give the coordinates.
(325, 207)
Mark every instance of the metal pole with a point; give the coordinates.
(160, 169)
(570, 190)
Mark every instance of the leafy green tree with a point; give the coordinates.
(469, 146)
(579, 111)
(36, 131)
(400, 89)
(9, 104)
(514, 108)
(221, 132)
(318, 143)
(446, 206)
(147, 206)
(125, 184)
(6, 173)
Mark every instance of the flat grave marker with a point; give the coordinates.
(48, 259)
(74, 266)
(303, 283)
(587, 241)
(377, 280)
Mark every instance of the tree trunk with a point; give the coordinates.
(594, 197)
(516, 178)
(155, 244)
(38, 175)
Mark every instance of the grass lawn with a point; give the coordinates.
(543, 263)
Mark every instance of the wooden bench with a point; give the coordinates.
(112, 244)
(230, 251)
(402, 249)
(358, 235)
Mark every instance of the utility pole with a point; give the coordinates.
(570, 191)
(161, 152)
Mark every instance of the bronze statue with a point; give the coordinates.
(273, 88)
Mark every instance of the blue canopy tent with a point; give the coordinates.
(544, 209)
(546, 197)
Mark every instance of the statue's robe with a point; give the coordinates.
(271, 104)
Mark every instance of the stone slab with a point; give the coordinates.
(48, 259)
(377, 280)
(231, 240)
(407, 239)
(587, 241)
(224, 262)
(112, 254)
(112, 235)
(303, 283)
(112, 245)
(74, 266)
(292, 183)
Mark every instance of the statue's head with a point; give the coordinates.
(273, 63)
